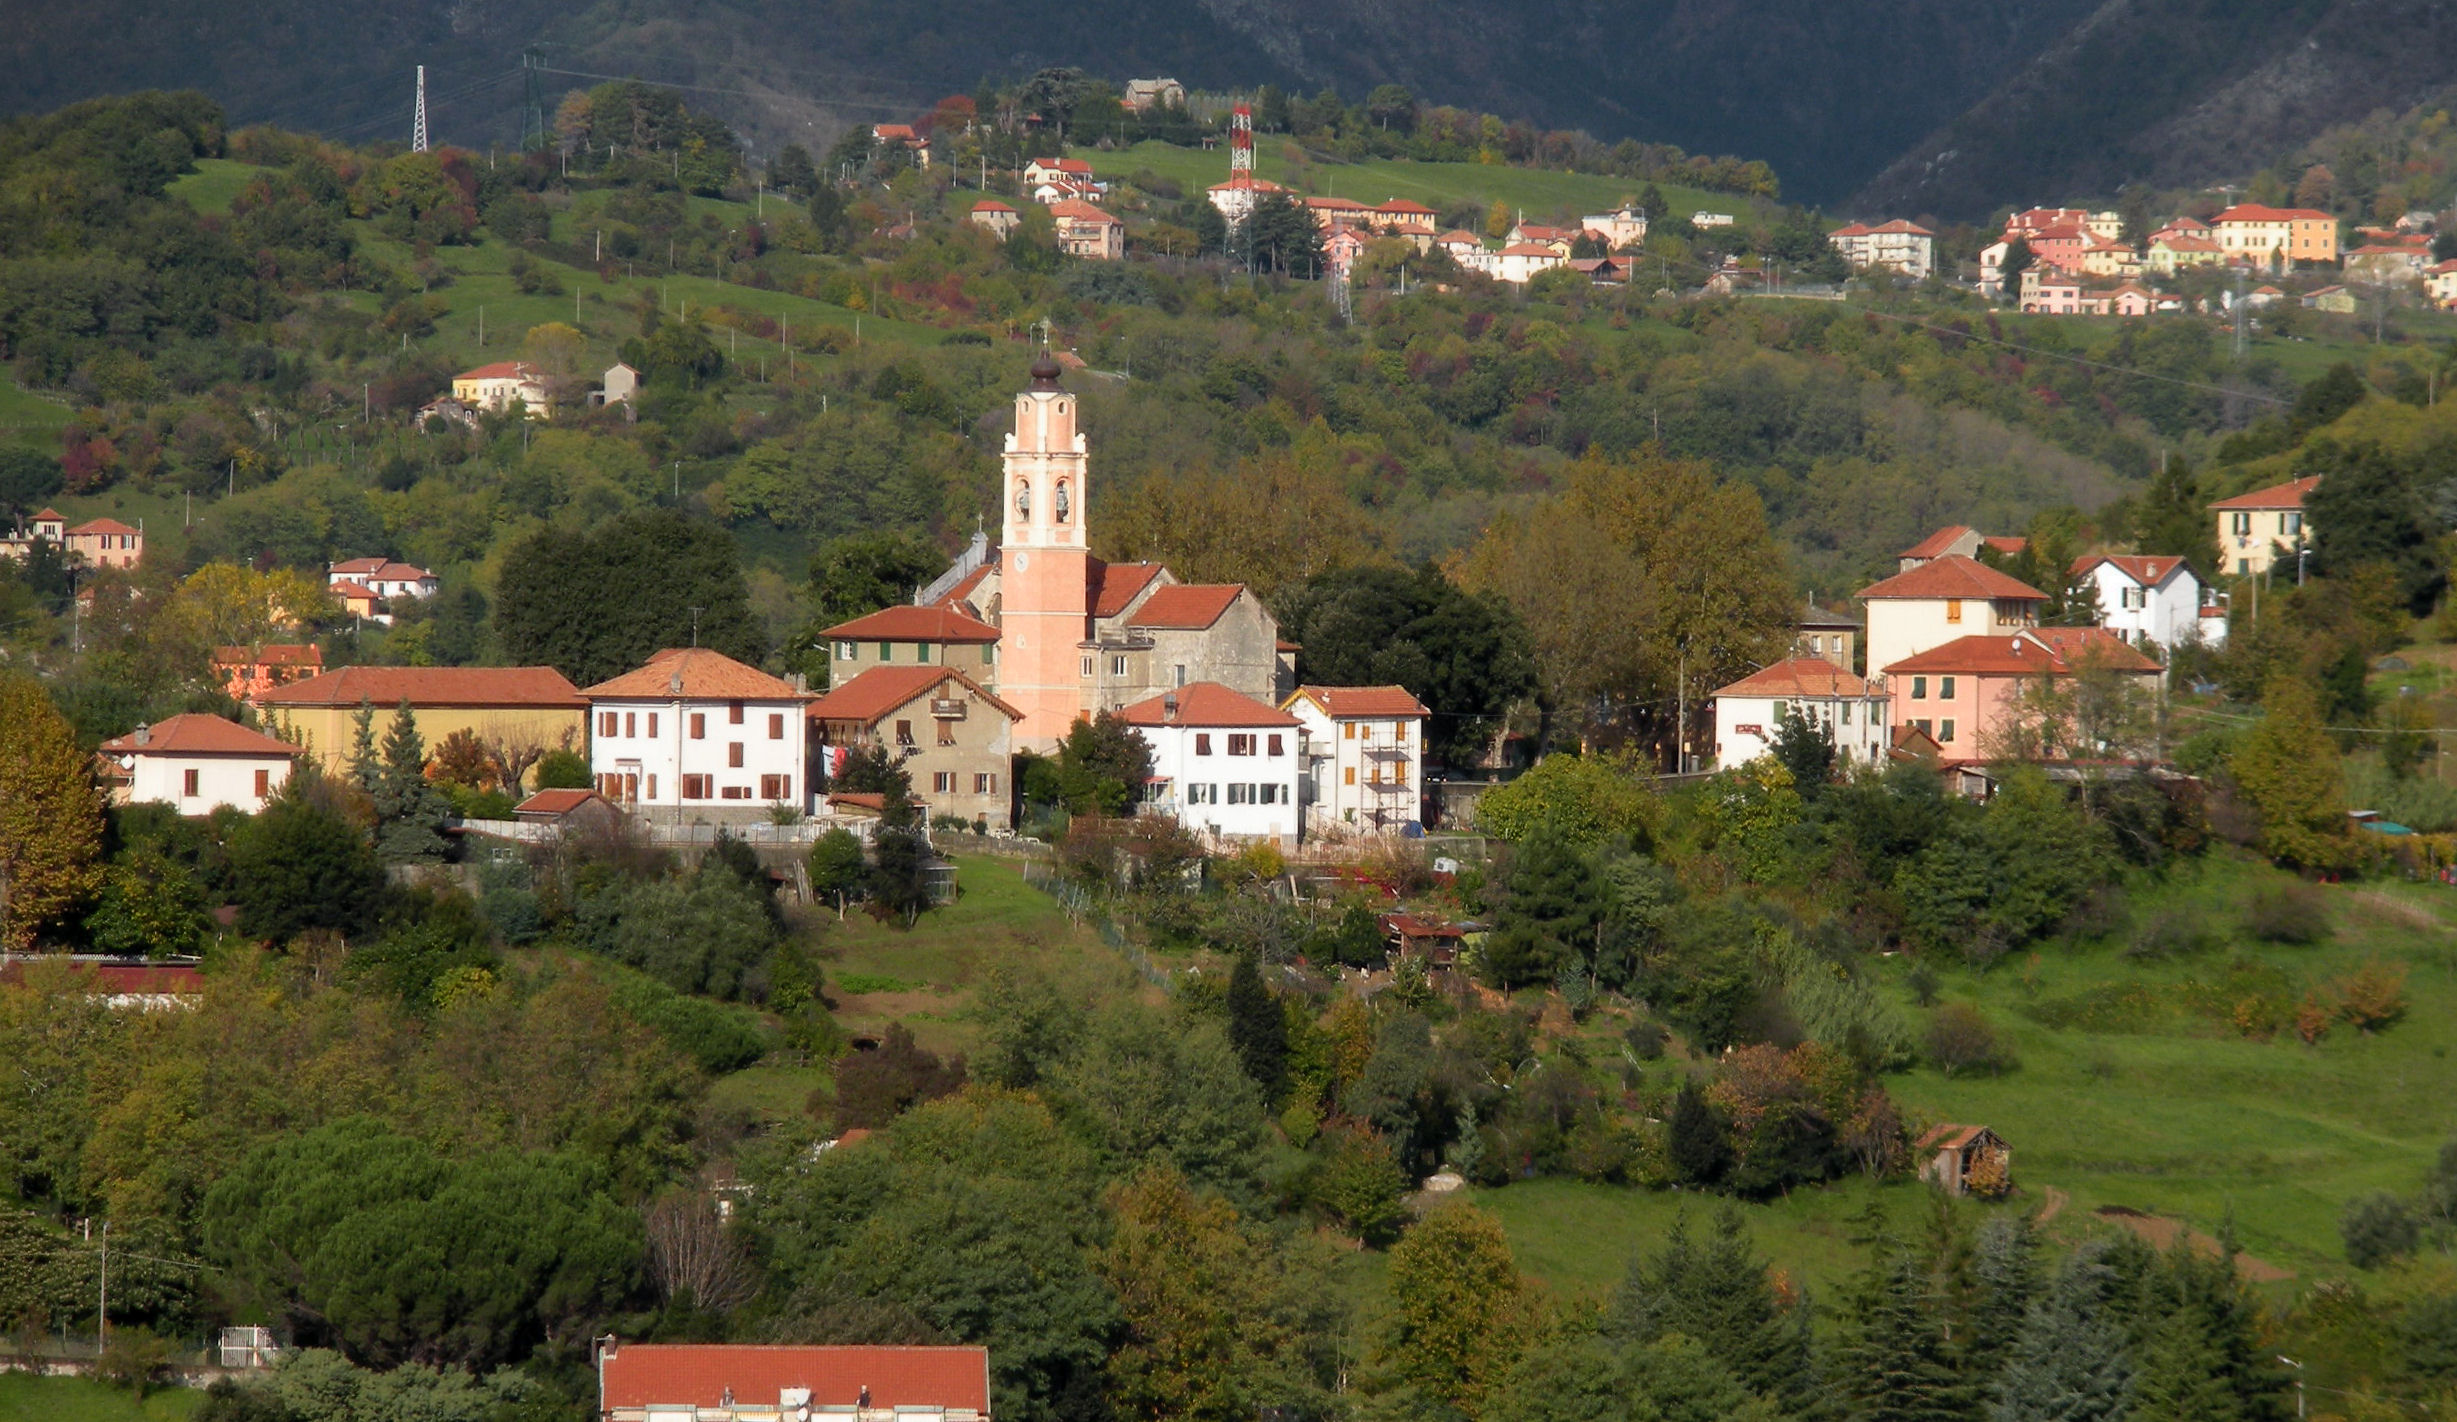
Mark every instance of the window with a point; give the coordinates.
(1117, 666)
(921, 653)
(2240, 524)
(652, 787)
(1087, 666)
(1400, 730)
(848, 652)
(1180, 674)
(1202, 794)
(187, 780)
(885, 648)
(904, 733)
(942, 782)
(631, 723)
(946, 733)
(1348, 730)
(1919, 688)
(605, 723)
(776, 726)
(2290, 524)
(1846, 713)
(733, 754)
(735, 792)
(652, 725)
(695, 787)
(775, 787)
(1923, 726)
(1240, 793)
(1945, 688)
(1945, 732)
(1953, 609)
(1349, 777)
(2136, 597)
(1279, 746)
(985, 784)
(733, 713)
(2243, 566)
(1202, 743)
(699, 725)
(1241, 745)
(264, 783)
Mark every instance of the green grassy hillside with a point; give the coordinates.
(31, 1399)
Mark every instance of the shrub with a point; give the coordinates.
(2289, 913)
(2177, 933)
(134, 1359)
(2378, 1228)
(1961, 1039)
(2372, 996)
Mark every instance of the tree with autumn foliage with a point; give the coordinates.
(1461, 1312)
(50, 817)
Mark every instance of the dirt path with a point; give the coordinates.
(2162, 1233)
(2056, 1200)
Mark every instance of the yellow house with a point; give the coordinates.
(528, 709)
(495, 387)
(2258, 529)
(2266, 236)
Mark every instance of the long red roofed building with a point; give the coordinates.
(737, 1382)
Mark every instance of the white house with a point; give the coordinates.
(1223, 763)
(1748, 711)
(2150, 599)
(1941, 600)
(1520, 262)
(696, 732)
(382, 576)
(197, 764)
(1365, 758)
(1623, 228)
(1906, 247)
(497, 386)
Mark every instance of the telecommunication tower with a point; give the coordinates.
(418, 125)
(1241, 149)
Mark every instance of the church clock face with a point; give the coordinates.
(1022, 561)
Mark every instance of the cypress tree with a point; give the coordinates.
(2071, 1362)
(1895, 1366)
(1257, 1028)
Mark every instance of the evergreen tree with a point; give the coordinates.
(1258, 1029)
(365, 769)
(2005, 1282)
(2071, 1362)
(1805, 747)
(1700, 1140)
(1549, 916)
(2172, 518)
(409, 811)
(1895, 1367)
(1719, 1295)
(900, 860)
(2367, 512)
(2198, 1340)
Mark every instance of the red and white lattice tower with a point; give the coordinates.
(1241, 149)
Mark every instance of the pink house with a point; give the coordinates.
(1960, 694)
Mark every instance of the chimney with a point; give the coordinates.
(1168, 706)
(674, 683)
(144, 735)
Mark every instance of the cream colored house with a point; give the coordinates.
(496, 386)
(909, 636)
(1086, 231)
(197, 764)
(1365, 759)
(954, 738)
(2258, 529)
(519, 707)
(2276, 236)
(1942, 600)
(996, 217)
(1905, 247)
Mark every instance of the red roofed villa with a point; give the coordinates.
(1748, 712)
(741, 1382)
(1942, 599)
(2258, 529)
(196, 764)
(1223, 764)
(1960, 693)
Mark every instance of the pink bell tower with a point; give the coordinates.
(1045, 597)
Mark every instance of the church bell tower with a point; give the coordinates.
(1044, 564)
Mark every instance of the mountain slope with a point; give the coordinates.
(1826, 90)
(2171, 92)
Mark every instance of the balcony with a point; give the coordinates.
(949, 709)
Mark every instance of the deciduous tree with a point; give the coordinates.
(50, 817)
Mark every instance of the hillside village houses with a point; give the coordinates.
(695, 730)
(996, 216)
(741, 1382)
(954, 738)
(1224, 764)
(904, 136)
(494, 388)
(196, 764)
(521, 708)
(1365, 757)
(1851, 711)
(1905, 247)
(1086, 231)
(2151, 599)
(1962, 694)
(2261, 528)
(1940, 600)
(95, 543)
(382, 576)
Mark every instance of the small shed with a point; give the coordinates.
(1435, 941)
(1965, 1160)
(570, 809)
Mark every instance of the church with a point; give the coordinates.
(1058, 634)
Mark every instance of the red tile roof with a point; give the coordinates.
(2146, 571)
(499, 370)
(1064, 165)
(639, 1375)
(2006, 543)
(197, 734)
(1901, 225)
(384, 568)
(1076, 210)
(1528, 249)
(991, 205)
(1191, 606)
(1459, 237)
(554, 802)
(1351, 702)
(880, 690)
(913, 624)
(1954, 576)
(1403, 205)
(100, 525)
(2255, 212)
(963, 590)
(1937, 544)
(430, 686)
(271, 654)
(1114, 585)
(1799, 676)
(2289, 495)
(870, 800)
(2050, 650)
(1204, 703)
(696, 674)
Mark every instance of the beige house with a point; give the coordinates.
(522, 708)
(956, 738)
(1520, 262)
(1901, 246)
(2258, 529)
(1942, 600)
(1827, 636)
(496, 386)
(1623, 228)
(913, 637)
(105, 543)
(1365, 759)
(2254, 235)
(1145, 95)
(996, 217)
(2172, 251)
(1086, 231)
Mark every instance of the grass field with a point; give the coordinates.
(1436, 185)
(214, 185)
(29, 419)
(25, 1398)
